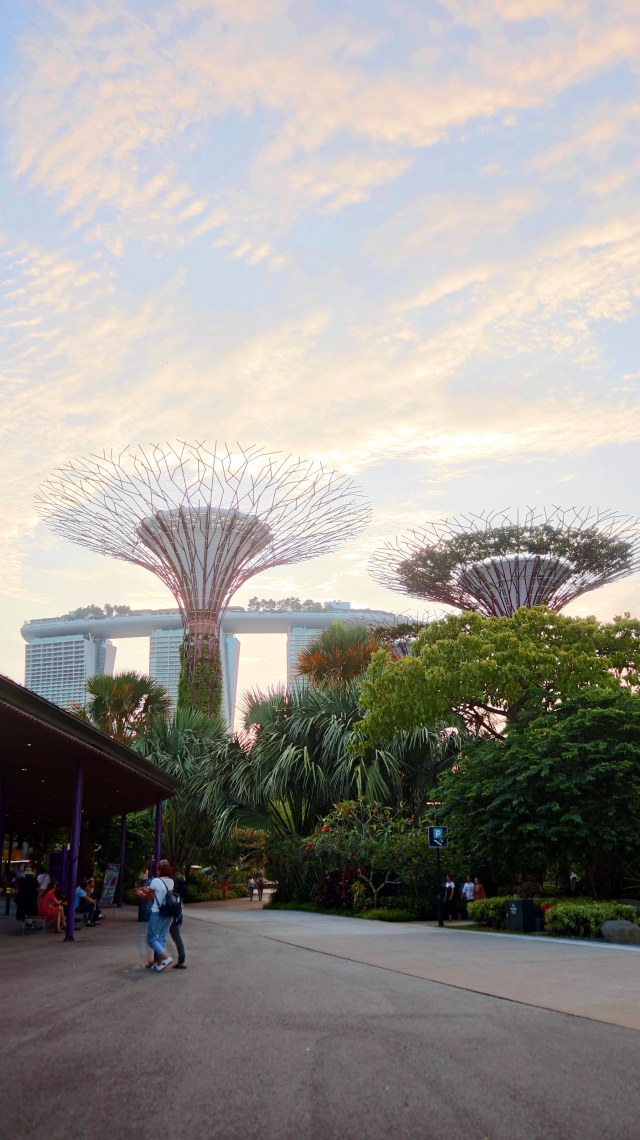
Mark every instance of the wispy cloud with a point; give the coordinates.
(400, 238)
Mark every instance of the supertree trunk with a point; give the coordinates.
(200, 683)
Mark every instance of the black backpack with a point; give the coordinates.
(171, 907)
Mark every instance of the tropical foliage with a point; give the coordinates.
(496, 673)
(562, 790)
(123, 704)
(340, 652)
(187, 747)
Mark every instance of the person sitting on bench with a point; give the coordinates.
(87, 905)
(51, 909)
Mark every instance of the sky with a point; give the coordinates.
(399, 236)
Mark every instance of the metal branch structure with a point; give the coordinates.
(494, 563)
(204, 521)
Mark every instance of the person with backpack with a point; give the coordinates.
(175, 930)
(166, 905)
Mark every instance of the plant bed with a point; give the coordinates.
(382, 914)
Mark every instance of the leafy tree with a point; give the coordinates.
(375, 841)
(341, 652)
(187, 746)
(562, 789)
(493, 673)
(122, 705)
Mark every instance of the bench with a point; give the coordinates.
(32, 922)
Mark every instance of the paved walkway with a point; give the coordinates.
(291, 1026)
(586, 979)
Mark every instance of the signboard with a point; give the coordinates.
(438, 836)
(110, 883)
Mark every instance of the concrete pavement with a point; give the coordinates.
(266, 1037)
(587, 979)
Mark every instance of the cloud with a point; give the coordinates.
(106, 95)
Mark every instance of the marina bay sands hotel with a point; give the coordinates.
(61, 653)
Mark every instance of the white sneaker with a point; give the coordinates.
(160, 966)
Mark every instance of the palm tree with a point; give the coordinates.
(187, 746)
(340, 653)
(294, 762)
(122, 705)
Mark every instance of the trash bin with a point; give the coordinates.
(521, 915)
(144, 905)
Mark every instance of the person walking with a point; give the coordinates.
(252, 886)
(260, 887)
(467, 894)
(175, 930)
(448, 895)
(478, 891)
(158, 926)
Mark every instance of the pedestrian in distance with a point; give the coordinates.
(478, 890)
(252, 886)
(260, 887)
(158, 927)
(467, 894)
(448, 896)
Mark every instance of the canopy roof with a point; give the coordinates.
(40, 746)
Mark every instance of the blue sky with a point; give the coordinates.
(400, 236)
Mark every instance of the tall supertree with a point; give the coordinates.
(204, 521)
(494, 563)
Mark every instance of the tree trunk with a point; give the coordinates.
(200, 684)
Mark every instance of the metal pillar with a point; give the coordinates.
(439, 905)
(64, 870)
(3, 804)
(76, 822)
(123, 841)
(158, 844)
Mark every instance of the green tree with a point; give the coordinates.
(378, 842)
(495, 673)
(341, 652)
(187, 746)
(563, 789)
(122, 705)
(295, 762)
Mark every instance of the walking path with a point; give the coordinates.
(294, 1026)
(587, 979)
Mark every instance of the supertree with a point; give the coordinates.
(204, 521)
(494, 563)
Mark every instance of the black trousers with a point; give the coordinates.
(175, 930)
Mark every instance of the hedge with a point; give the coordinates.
(489, 912)
(584, 919)
(568, 917)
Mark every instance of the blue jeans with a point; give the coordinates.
(157, 932)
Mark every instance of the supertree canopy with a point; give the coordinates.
(493, 563)
(204, 521)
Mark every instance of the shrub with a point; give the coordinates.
(489, 912)
(236, 891)
(584, 919)
(387, 914)
(421, 908)
(529, 890)
(201, 889)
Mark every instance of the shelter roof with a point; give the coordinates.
(40, 746)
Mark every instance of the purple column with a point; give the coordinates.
(123, 841)
(64, 870)
(74, 854)
(3, 867)
(7, 904)
(3, 804)
(158, 845)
